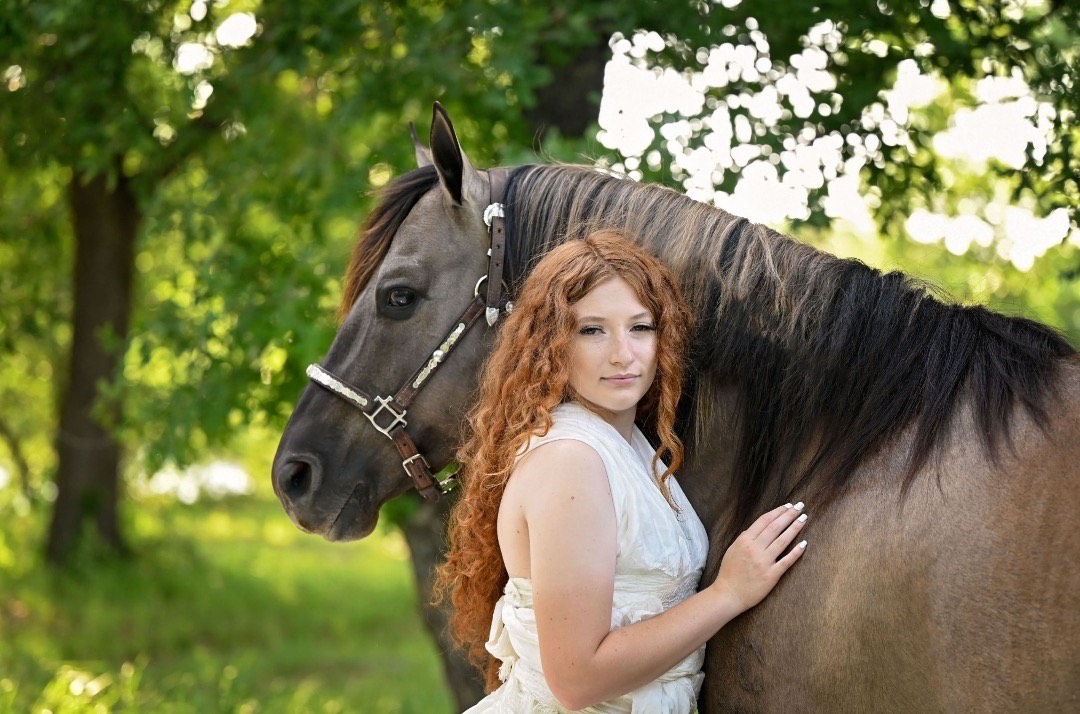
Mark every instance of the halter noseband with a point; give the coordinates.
(391, 410)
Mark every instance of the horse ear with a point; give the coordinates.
(423, 154)
(457, 175)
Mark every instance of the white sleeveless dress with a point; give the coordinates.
(658, 563)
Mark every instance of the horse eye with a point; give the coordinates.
(400, 297)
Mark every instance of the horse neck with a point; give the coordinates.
(803, 364)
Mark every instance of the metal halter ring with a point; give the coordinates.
(476, 290)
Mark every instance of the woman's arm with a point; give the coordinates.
(564, 497)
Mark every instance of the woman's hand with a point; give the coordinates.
(750, 568)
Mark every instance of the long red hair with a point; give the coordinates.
(525, 377)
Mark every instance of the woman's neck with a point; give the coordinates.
(622, 422)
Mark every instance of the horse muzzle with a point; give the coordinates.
(337, 514)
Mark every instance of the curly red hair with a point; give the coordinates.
(526, 376)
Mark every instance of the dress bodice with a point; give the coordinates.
(659, 558)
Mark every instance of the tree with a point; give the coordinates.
(202, 167)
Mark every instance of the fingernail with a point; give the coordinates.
(802, 518)
(801, 545)
(799, 506)
(787, 505)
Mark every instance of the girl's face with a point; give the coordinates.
(613, 353)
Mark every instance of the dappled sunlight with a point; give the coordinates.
(705, 140)
(236, 30)
(995, 131)
(192, 57)
(13, 78)
(214, 480)
(1024, 236)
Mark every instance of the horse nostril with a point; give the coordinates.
(295, 480)
(298, 481)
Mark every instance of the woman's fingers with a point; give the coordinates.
(752, 565)
(777, 525)
(766, 519)
(788, 560)
(785, 538)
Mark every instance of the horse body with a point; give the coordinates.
(953, 596)
(936, 446)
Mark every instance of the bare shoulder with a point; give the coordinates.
(561, 474)
(558, 496)
(559, 463)
(561, 492)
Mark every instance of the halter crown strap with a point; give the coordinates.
(495, 218)
(387, 414)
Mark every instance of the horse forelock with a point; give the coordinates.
(378, 230)
(829, 359)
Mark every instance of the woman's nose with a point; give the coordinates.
(620, 350)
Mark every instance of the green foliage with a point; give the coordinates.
(254, 168)
(34, 304)
(224, 608)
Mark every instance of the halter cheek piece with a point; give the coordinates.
(387, 414)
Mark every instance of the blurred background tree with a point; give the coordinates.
(182, 181)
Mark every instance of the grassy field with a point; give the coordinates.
(223, 607)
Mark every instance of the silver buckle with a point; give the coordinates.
(384, 403)
(406, 462)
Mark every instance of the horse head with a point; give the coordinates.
(413, 283)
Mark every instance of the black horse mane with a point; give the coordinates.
(822, 353)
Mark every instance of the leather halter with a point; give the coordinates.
(391, 410)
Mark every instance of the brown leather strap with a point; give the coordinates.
(415, 465)
(497, 187)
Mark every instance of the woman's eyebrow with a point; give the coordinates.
(597, 318)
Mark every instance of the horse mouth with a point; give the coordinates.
(354, 521)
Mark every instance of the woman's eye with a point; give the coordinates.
(400, 297)
(589, 331)
(644, 327)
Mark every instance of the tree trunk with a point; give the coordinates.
(570, 102)
(425, 532)
(105, 219)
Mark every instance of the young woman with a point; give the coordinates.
(574, 554)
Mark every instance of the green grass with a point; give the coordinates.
(224, 607)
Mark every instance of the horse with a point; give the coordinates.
(936, 444)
